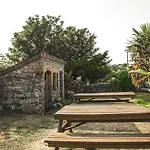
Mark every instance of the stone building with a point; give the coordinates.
(34, 84)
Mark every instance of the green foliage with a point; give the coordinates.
(79, 44)
(93, 70)
(122, 82)
(139, 46)
(4, 62)
(38, 34)
(48, 34)
(142, 72)
(140, 102)
(75, 46)
(142, 95)
(139, 49)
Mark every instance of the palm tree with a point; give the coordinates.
(139, 49)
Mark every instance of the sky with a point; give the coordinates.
(110, 20)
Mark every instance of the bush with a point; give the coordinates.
(122, 82)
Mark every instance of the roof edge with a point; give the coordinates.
(27, 61)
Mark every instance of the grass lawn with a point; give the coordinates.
(27, 132)
(144, 96)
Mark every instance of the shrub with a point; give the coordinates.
(122, 82)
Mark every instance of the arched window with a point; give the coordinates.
(61, 83)
(55, 84)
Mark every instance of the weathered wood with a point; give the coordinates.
(60, 129)
(82, 97)
(104, 100)
(69, 125)
(104, 112)
(64, 140)
(75, 125)
(112, 94)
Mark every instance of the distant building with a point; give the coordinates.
(33, 84)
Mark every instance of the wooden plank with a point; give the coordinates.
(63, 140)
(112, 94)
(105, 100)
(104, 112)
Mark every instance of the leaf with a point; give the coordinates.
(140, 71)
(140, 102)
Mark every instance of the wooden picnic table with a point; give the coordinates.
(74, 115)
(102, 112)
(109, 96)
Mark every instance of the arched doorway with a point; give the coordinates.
(48, 91)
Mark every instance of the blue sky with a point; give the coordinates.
(111, 20)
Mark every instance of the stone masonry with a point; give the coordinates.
(34, 84)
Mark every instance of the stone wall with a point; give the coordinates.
(54, 67)
(24, 88)
(97, 88)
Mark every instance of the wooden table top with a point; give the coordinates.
(104, 112)
(110, 94)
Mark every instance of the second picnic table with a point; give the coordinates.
(109, 96)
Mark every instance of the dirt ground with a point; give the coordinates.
(27, 132)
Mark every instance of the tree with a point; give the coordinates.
(38, 34)
(139, 48)
(93, 70)
(79, 44)
(47, 33)
(4, 62)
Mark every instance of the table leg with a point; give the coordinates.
(77, 100)
(56, 148)
(60, 126)
(59, 130)
(69, 124)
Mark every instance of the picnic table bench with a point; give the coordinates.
(71, 141)
(72, 116)
(106, 97)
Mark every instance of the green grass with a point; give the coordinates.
(142, 99)
(142, 95)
